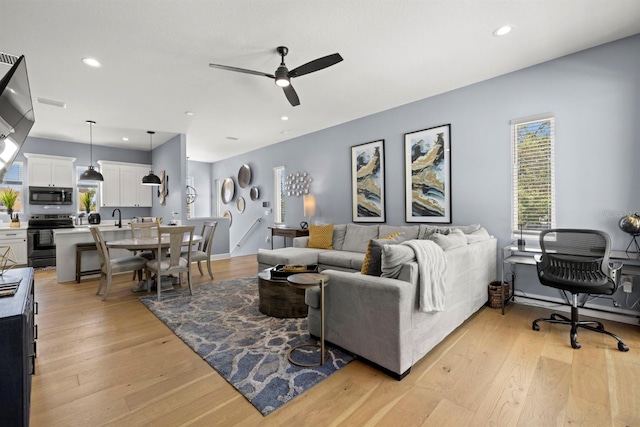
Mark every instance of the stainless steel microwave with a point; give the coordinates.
(50, 195)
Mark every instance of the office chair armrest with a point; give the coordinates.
(614, 267)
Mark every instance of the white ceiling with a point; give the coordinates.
(155, 56)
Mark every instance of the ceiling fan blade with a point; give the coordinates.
(241, 70)
(315, 65)
(291, 95)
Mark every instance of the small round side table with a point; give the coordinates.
(308, 281)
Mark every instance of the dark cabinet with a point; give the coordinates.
(17, 347)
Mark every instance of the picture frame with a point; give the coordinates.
(368, 182)
(428, 175)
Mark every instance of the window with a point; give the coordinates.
(13, 179)
(532, 175)
(86, 192)
(278, 195)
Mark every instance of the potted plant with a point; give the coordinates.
(8, 197)
(87, 198)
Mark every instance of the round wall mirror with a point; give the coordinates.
(228, 190)
(227, 214)
(244, 176)
(240, 204)
(254, 194)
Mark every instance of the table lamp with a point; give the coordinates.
(309, 201)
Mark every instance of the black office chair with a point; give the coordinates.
(577, 261)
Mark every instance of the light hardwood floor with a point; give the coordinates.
(114, 363)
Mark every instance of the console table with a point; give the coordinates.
(285, 232)
(514, 255)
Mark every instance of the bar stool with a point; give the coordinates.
(80, 248)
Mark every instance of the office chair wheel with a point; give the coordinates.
(622, 346)
(535, 326)
(574, 341)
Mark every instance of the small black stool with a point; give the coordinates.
(83, 247)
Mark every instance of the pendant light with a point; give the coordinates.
(91, 174)
(151, 179)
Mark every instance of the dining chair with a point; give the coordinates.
(109, 267)
(174, 262)
(203, 251)
(142, 229)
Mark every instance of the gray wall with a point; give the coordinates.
(201, 173)
(594, 94)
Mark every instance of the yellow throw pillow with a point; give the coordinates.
(367, 256)
(320, 236)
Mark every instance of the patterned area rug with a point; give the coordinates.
(221, 323)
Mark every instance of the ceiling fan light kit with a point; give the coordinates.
(283, 76)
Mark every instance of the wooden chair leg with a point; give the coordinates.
(209, 268)
(101, 284)
(189, 281)
(200, 268)
(106, 291)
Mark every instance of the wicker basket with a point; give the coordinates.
(494, 293)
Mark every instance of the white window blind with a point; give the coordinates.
(532, 175)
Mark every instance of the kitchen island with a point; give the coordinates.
(66, 240)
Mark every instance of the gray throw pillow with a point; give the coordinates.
(375, 253)
(394, 257)
(410, 231)
(478, 236)
(455, 239)
(339, 231)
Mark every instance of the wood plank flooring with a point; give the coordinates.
(114, 363)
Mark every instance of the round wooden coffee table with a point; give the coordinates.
(278, 299)
(306, 281)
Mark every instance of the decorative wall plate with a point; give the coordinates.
(244, 176)
(254, 194)
(240, 204)
(227, 214)
(228, 190)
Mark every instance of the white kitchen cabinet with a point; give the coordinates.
(122, 185)
(49, 171)
(17, 240)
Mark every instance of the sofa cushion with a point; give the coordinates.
(339, 230)
(343, 259)
(427, 230)
(478, 236)
(372, 264)
(455, 239)
(394, 257)
(321, 236)
(358, 236)
(410, 231)
(288, 256)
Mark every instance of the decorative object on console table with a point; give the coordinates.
(368, 182)
(428, 175)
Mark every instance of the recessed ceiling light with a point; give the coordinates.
(284, 118)
(124, 138)
(502, 31)
(189, 113)
(91, 62)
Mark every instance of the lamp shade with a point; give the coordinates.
(91, 175)
(151, 179)
(309, 205)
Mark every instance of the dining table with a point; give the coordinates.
(149, 243)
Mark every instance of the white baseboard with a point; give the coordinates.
(216, 257)
(557, 304)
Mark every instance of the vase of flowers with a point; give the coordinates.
(8, 197)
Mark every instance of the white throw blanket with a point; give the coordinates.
(432, 269)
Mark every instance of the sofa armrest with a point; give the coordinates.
(367, 315)
(301, 242)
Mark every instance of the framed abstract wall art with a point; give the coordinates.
(367, 182)
(427, 156)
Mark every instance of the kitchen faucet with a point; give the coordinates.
(119, 223)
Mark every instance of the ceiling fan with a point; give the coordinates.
(283, 76)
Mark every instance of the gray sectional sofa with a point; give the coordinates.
(380, 319)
